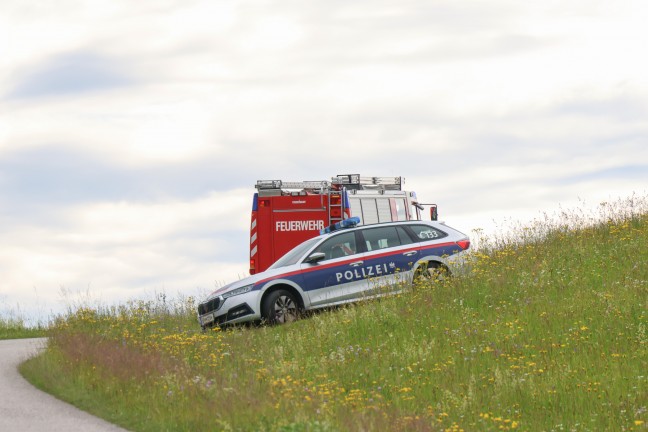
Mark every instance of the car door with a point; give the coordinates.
(389, 259)
(338, 277)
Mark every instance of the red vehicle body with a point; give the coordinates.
(285, 214)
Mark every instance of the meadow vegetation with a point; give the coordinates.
(14, 327)
(547, 330)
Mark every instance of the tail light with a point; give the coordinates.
(252, 266)
(464, 244)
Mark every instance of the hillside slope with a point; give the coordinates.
(547, 331)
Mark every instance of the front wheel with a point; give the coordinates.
(280, 307)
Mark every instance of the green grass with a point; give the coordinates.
(15, 328)
(547, 331)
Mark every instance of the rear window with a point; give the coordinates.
(384, 237)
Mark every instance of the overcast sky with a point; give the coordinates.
(132, 132)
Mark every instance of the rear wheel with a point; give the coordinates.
(432, 272)
(280, 307)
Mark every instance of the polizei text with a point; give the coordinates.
(365, 272)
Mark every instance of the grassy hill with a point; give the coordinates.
(546, 331)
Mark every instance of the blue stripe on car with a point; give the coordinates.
(326, 273)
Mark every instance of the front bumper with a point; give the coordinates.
(218, 311)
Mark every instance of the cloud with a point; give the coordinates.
(120, 249)
(131, 139)
(622, 107)
(70, 74)
(57, 175)
(638, 173)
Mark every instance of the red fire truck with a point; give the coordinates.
(284, 214)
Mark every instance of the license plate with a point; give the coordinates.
(206, 319)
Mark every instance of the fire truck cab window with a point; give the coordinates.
(400, 209)
(369, 211)
(415, 212)
(338, 246)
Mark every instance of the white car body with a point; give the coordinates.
(339, 267)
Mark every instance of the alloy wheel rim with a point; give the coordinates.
(285, 309)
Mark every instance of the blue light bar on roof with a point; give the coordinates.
(347, 223)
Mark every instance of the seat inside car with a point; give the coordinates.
(337, 252)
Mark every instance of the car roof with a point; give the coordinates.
(379, 224)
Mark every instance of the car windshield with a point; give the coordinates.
(294, 255)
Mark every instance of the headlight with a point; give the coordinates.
(238, 291)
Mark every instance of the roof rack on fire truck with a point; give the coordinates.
(356, 181)
(278, 184)
(275, 187)
(351, 182)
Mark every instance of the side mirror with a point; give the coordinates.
(315, 257)
(434, 214)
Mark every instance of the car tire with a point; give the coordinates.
(280, 307)
(431, 272)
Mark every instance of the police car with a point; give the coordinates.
(346, 263)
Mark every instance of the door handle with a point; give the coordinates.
(356, 264)
(410, 253)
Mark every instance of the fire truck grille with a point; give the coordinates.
(209, 306)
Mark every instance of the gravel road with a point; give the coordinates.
(23, 408)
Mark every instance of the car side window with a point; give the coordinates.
(338, 246)
(426, 232)
(404, 236)
(381, 238)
